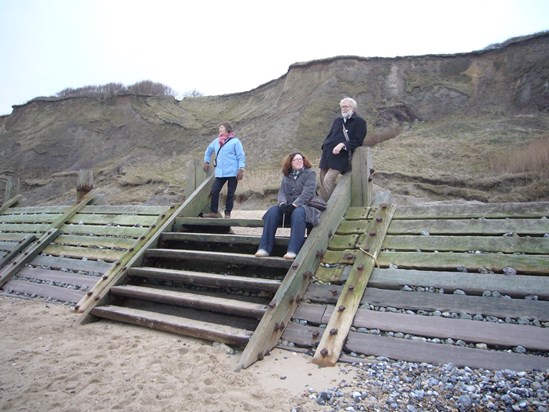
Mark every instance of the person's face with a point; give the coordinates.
(222, 129)
(297, 162)
(346, 108)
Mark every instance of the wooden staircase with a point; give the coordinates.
(201, 283)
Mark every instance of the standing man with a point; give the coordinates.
(229, 163)
(348, 132)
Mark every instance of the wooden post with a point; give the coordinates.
(12, 188)
(361, 177)
(84, 184)
(195, 176)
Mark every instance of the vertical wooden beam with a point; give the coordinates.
(339, 325)
(13, 187)
(361, 174)
(84, 184)
(195, 176)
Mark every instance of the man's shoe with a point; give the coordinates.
(290, 256)
(227, 215)
(212, 215)
(261, 253)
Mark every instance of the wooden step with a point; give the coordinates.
(191, 300)
(175, 324)
(222, 238)
(218, 257)
(205, 279)
(200, 221)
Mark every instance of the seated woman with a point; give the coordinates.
(297, 188)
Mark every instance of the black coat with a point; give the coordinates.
(356, 129)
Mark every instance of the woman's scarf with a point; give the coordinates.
(223, 137)
(295, 173)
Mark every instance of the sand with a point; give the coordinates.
(49, 361)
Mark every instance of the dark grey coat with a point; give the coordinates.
(299, 192)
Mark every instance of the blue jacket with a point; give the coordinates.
(229, 159)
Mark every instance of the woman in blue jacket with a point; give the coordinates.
(229, 163)
(297, 188)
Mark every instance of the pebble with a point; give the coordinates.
(387, 385)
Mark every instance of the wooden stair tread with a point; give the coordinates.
(174, 324)
(221, 257)
(205, 279)
(195, 301)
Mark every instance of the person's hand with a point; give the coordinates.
(205, 166)
(283, 207)
(240, 174)
(338, 148)
(287, 208)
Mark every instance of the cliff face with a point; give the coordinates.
(140, 144)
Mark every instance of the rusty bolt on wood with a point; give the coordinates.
(315, 334)
(291, 300)
(360, 268)
(105, 277)
(276, 326)
(272, 304)
(324, 352)
(370, 178)
(282, 326)
(260, 356)
(351, 287)
(372, 234)
(333, 292)
(333, 331)
(89, 293)
(341, 308)
(366, 248)
(295, 266)
(76, 307)
(379, 219)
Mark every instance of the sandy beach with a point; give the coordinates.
(49, 361)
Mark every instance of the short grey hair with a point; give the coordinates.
(350, 100)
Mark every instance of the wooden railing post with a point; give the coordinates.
(12, 188)
(195, 176)
(84, 184)
(361, 177)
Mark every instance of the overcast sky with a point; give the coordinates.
(219, 47)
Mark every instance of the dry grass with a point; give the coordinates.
(532, 157)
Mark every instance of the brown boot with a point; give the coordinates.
(212, 215)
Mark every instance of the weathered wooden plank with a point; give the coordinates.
(205, 279)
(522, 227)
(471, 331)
(331, 343)
(496, 262)
(486, 306)
(30, 252)
(126, 209)
(416, 351)
(174, 324)
(10, 237)
(95, 241)
(31, 218)
(504, 244)
(219, 257)
(106, 219)
(297, 279)
(56, 210)
(361, 180)
(342, 242)
(69, 278)
(93, 230)
(472, 210)
(199, 221)
(16, 249)
(53, 262)
(222, 238)
(349, 227)
(470, 283)
(108, 255)
(43, 290)
(25, 228)
(191, 300)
